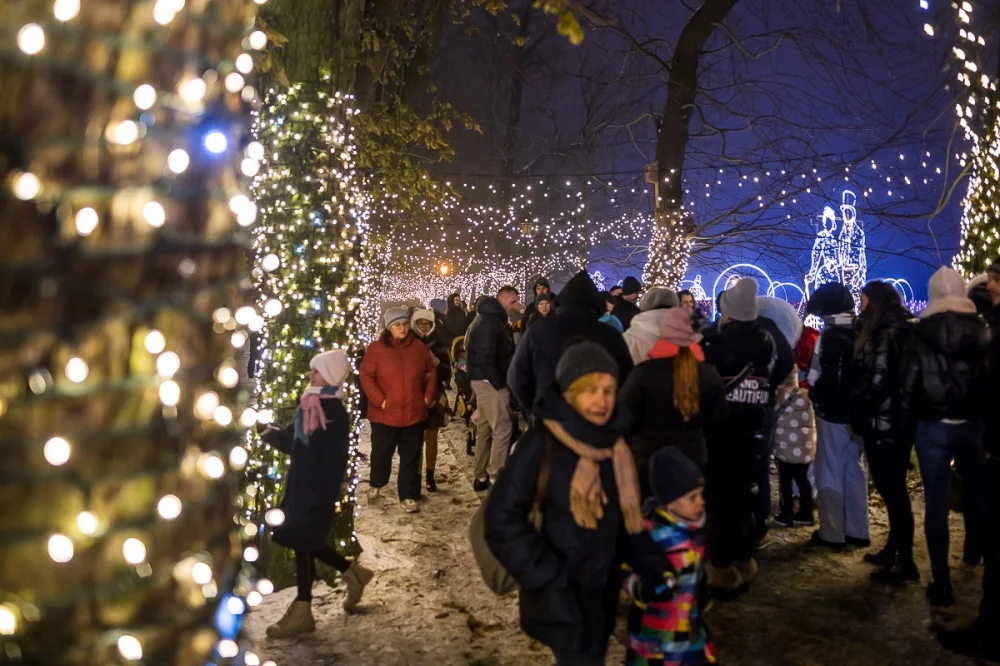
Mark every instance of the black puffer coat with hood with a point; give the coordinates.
(875, 395)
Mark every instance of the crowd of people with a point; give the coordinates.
(645, 464)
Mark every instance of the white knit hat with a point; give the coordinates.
(333, 366)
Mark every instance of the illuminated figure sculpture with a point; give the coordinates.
(825, 266)
(851, 248)
(697, 290)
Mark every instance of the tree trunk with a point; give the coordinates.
(670, 245)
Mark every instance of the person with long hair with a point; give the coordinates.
(318, 443)
(423, 324)
(885, 325)
(944, 398)
(400, 381)
(555, 515)
(672, 396)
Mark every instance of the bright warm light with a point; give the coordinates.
(216, 142)
(76, 370)
(238, 202)
(130, 648)
(248, 418)
(239, 339)
(255, 150)
(163, 13)
(236, 606)
(201, 573)
(274, 517)
(154, 214)
(169, 507)
(192, 89)
(247, 216)
(155, 343)
(134, 551)
(223, 416)
(229, 376)
(170, 393)
(26, 186)
(250, 554)
(60, 548)
(244, 63)
(265, 586)
(214, 467)
(273, 307)
(66, 10)
(227, 648)
(238, 457)
(56, 451)
(234, 82)
(250, 658)
(254, 598)
(929, 29)
(249, 167)
(87, 523)
(124, 133)
(178, 160)
(86, 221)
(8, 620)
(144, 96)
(206, 404)
(270, 262)
(31, 39)
(167, 364)
(245, 315)
(444, 269)
(258, 40)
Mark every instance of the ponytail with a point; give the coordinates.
(686, 399)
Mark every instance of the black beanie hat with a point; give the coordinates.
(631, 286)
(830, 299)
(581, 359)
(672, 475)
(994, 267)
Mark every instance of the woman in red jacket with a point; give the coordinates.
(400, 381)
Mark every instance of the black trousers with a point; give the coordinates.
(305, 568)
(990, 608)
(730, 505)
(762, 496)
(410, 443)
(797, 474)
(888, 463)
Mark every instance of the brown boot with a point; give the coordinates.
(748, 570)
(298, 619)
(725, 583)
(356, 578)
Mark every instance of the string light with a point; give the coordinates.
(130, 648)
(216, 142)
(167, 363)
(87, 523)
(31, 39)
(57, 451)
(154, 214)
(26, 186)
(86, 221)
(154, 343)
(66, 10)
(60, 548)
(169, 507)
(77, 370)
(134, 551)
(178, 160)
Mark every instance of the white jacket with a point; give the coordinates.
(643, 334)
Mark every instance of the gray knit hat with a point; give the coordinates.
(393, 315)
(740, 302)
(582, 359)
(658, 298)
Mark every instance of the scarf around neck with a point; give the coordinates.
(310, 416)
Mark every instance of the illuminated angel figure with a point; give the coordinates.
(851, 247)
(825, 265)
(598, 279)
(697, 290)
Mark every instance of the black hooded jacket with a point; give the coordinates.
(875, 394)
(456, 320)
(532, 306)
(576, 318)
(625, 310)
(568, 575)
(945, 373)
(489, 344)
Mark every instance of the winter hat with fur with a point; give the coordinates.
(393, 315)
(658, 298)
(830, 299)
(784, 316)
(426, 315)
(675, 328)
(583, 358)
(631, 286)
(672, 475)
(946, 292)
(740, 302)
(333, 366)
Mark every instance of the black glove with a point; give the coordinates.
(648, 589)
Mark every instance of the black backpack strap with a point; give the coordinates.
(735, 382)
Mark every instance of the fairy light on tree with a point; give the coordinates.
(124, 248)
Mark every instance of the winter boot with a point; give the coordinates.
(884, 558)
(432, 486)
(901, 571)
(784, 519)
(374, 494)
(725, 583)
(748, 571)
(356, 578)
(298, 619)
(939, 592)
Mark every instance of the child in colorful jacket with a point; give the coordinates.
(665, 622)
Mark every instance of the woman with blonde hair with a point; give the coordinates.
(558, 507)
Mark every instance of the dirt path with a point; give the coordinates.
(428, 605)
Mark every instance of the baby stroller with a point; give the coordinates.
(465, 399)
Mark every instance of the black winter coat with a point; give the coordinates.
(456, 323)
(741, 349)
(625, 311)
(831, 390)
(875, 380)
(440, 350)
(784, 358)
(489, 345)
(577, 318)
(568, 575)
(314, 479)
(945, 374)
(991, 438)
(648, 394)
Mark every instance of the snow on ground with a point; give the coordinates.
(428, 605)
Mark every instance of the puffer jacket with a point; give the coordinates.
(945, 374)
(745, 356)
(401, 374)
(875, 379)
(991, 438)
(795, 423)
(489, 344)
(626, 311)
(830, 374)
(643, 334)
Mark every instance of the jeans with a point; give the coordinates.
(410, 443)
(305, 568)
(990, 608)
(570, 659)
(790, 475)
(938, 443)
(841, 482)
(889, 462)
(729, 502)
(493, 430)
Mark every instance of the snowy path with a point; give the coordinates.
(428, 606)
